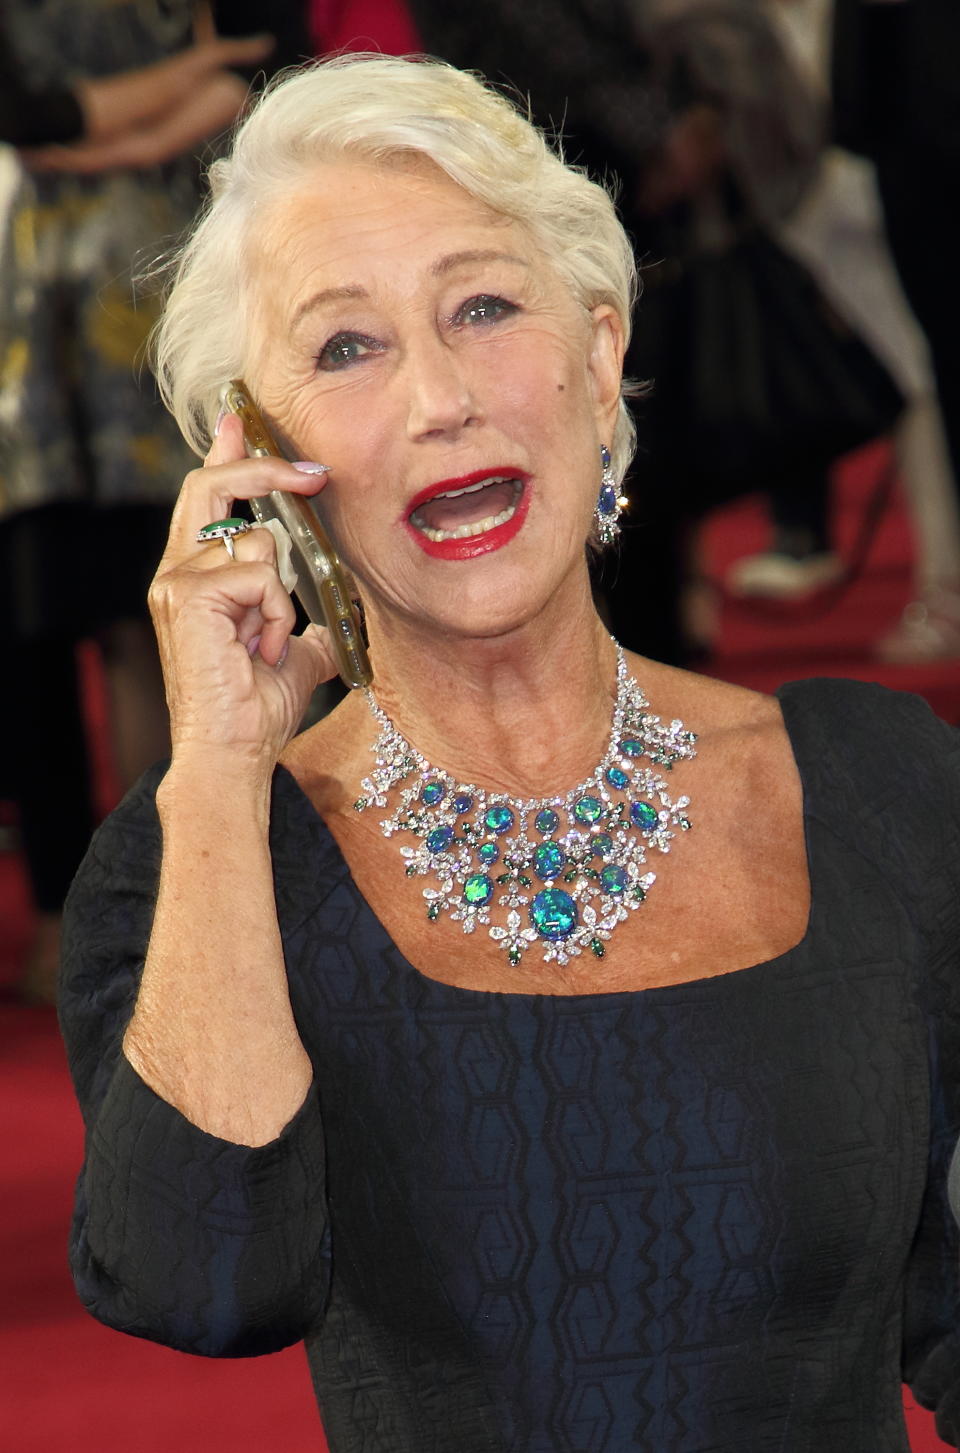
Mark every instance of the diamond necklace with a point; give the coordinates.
(558, 871)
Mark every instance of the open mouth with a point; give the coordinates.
(471, 510)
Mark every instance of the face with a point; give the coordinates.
(423, 347)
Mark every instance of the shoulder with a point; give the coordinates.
(860, 705)
(882, 770)
(882, 741)
(878, 765)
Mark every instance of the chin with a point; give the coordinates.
(488, 596)
(495, 608)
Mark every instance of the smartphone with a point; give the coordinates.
(321, 584)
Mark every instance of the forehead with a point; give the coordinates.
(365, 224)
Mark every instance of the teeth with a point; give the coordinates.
(475, 527)
(473, 488)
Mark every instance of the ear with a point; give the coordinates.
(605, 366)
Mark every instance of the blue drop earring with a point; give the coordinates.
(610, 502)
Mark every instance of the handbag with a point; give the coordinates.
(758, 374)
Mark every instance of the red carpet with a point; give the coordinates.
(71, 1386)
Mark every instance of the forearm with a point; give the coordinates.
(211, 108)
(213, 1031)
(114, 104)
(132, 100)
(200, 1243)
(210, 111)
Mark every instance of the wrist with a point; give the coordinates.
(213, 779)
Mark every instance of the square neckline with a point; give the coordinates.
(597, 996)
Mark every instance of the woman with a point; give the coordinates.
(89, 458)
(527, 1169)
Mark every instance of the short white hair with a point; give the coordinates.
(376, 108)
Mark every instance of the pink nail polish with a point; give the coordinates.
(219, 420)
(307, 466)
(253, 645)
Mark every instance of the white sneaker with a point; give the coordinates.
(783, 577)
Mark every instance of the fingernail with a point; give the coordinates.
(283, 655)
(220, 418)
(253, 645)
(307, 466)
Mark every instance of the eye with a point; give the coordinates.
(484, 308)
(344, 349)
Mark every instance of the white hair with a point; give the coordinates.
(376, 108)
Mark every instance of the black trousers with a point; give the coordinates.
(919, 189)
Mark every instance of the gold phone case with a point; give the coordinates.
(321, 584)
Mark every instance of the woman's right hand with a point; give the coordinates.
(237, 680)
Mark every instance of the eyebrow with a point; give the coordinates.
(440, 268)
(326, 295)
(446, 264)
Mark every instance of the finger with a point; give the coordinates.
(251, 595)
(270, 634)
(223, 53)
(228, 475)
(310, 652)
(254, 544)
(243, 50)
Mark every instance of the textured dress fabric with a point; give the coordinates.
(703, 1218)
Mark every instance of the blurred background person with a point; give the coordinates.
(896, 101)
(105, 107)
(838, 231)
(698, 108)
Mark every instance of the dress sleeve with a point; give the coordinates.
(178, 1236)
(931, 1341)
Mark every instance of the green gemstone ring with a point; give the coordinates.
(224, 530)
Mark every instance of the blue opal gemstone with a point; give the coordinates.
(553, 914)
(478, 889)
(548, 860)
(617, 777)
(488, 853)
(498, 819)
(631, 746)
(546, 821)
(588, 809)
(607, 503)
(433, 792)
(643, 816)
(462, 803)
(600, 844)
(440, 839)
(613, 878)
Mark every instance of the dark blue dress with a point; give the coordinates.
(707, 1218)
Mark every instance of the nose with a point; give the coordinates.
(440, 399)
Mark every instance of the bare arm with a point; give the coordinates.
(210, 109)
(213, 1031)
(128, 101)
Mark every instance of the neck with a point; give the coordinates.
(527, 712)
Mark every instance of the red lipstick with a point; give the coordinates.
(467, 547)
